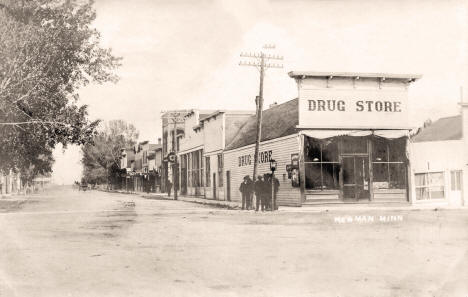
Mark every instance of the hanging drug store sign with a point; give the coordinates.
(263, 157)
(351, 108)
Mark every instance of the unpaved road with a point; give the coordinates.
(68, 243)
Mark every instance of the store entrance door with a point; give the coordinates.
(355, 177)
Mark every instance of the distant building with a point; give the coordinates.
(127, 160)
(42, 181)
(143, 172)
(200, 155)
(438, 163)
(172, 131)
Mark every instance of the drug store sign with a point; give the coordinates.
(350, 108)
(263, 157)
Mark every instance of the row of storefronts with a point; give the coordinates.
(141, 168)
(346, 138)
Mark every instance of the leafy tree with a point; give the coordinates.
(48, 50)
(101, 159)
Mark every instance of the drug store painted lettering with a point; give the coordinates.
(263, 157)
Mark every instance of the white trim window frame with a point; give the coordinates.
(430, 185)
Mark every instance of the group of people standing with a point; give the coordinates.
(265, 189)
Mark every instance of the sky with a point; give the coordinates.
(185, 54)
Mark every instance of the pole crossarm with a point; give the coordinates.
(259, 64)
(259, 55)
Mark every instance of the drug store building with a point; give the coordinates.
(344, 139)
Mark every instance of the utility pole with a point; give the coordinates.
(174, 164)
(175, 117)
(260, 62)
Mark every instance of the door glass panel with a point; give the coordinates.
(355, 177)
(455, 180)
(360, 171)
(348, 171)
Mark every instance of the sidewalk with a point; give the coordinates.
(199, 200)
(305, 208)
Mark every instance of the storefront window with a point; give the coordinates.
(208, 171)
(189, 169)
(329, 151)
(321, 164)
(430, 185)
(220, 169)
(201, 167)
(388, 162)
(354, 145)
(195, 168)
(313, 150)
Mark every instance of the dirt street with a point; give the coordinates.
(69, 243)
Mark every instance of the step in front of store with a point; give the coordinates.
(333, 200)
(349, 203)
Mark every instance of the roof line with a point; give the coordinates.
(304, 74)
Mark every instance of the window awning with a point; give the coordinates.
(392, 134)
(322, 134)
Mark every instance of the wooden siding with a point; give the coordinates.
(213, 169)
(282, 149)
(322, 195)
(213, 133)
(391, 195)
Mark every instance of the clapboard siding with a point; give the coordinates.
(281, 148)
(390, 195)
(213, 169)
(322, 195)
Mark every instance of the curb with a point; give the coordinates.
(212, 203)
(216, 204)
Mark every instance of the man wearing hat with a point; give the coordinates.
(250, 193)
(246, 191)
(259, 189)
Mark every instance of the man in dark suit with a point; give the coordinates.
(259, 189)
(267, 191)
(246, 192)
